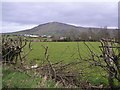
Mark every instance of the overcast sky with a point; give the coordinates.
(23, 15)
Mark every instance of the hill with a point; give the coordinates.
(74, 32)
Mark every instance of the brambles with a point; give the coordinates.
(70, 74)
(12, 49)
(108, 61)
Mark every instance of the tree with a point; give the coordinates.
(84, 36)
(92, 34)
(103, 33)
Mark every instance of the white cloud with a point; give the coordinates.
(12, 27)
(21, 15)
(60, 0)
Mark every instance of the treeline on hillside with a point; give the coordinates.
(90, 35)
(72, 35)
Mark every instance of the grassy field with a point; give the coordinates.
(15, 79)
(67, 51)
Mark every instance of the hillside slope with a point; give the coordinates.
(62, 29)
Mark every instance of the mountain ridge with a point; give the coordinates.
(63, 29)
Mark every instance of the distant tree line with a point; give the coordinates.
(90, 35)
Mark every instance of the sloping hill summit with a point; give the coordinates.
(71, 31)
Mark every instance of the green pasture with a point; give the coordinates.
(67, 51)
(57, 51)
(15, 79)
